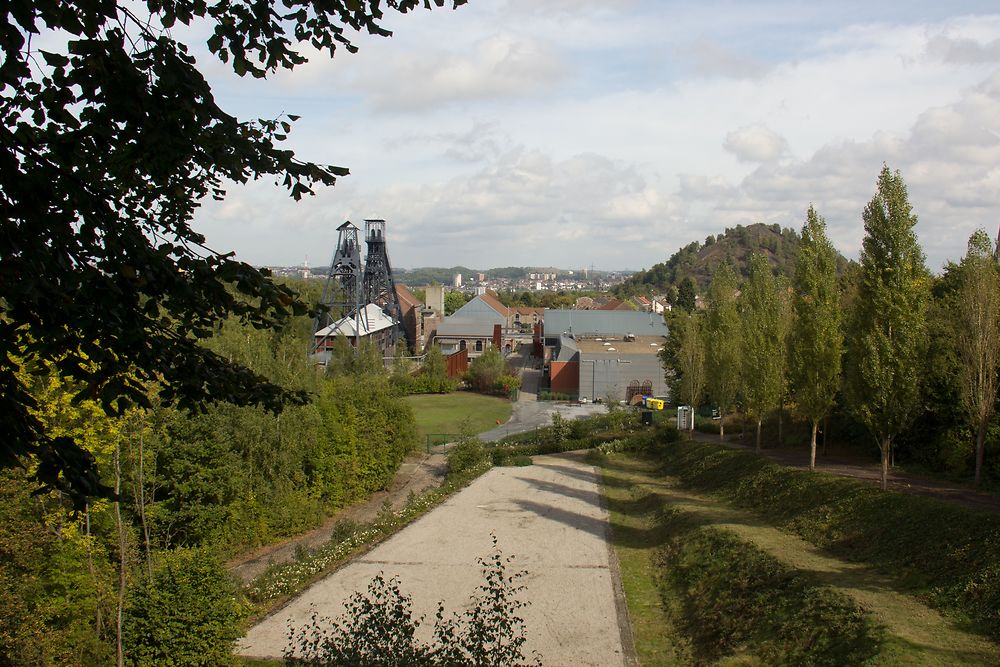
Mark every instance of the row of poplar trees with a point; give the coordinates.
(861, 338)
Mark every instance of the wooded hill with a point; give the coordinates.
(698, 260)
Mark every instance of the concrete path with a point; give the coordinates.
(549, 516)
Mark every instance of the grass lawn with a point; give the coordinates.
(445, 413)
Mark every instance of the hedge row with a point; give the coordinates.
(729, 598)
(944, 551)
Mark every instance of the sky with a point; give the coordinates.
(579, 133)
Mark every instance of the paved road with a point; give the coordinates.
(549, 516)
(529, 413)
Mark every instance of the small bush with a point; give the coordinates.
(466, 455)
(379, 629)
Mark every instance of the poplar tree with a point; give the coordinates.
(690, 360)
(888, 331)
(722, 343)
(686, 295)
(816, 339)
(977, 337)
(763, 344)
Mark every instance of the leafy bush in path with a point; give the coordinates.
(378, 629)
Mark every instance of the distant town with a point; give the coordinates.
(472, 281)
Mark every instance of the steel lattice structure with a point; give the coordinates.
(342, 292)
(378, 286)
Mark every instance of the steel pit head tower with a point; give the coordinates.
(377, 284)
(342, 292)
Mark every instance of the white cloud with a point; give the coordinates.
(500, 66)
(755, 143)
(589, 136)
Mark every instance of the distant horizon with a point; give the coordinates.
(611, 134)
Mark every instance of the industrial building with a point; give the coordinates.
(596, 354)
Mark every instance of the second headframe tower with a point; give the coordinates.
(378, 285)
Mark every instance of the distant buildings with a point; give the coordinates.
(598, 354)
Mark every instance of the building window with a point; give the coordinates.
(462, 345)
(479, 346)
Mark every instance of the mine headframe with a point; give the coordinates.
(377, 284)
(342, 291)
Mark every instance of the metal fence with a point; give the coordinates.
(441, 441)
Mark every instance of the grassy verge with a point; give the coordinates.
(448, 413)
(635, 534)
(698, 594)
(944, 553)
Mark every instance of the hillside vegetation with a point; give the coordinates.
(699, 260)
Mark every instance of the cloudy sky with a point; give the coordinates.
(573, 133)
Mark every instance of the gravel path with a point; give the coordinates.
(549, 516)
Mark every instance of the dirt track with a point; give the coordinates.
(846, 466)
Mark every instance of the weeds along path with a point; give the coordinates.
(919, 635)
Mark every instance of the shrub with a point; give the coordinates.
(378, 629)
(948, 552)
(733, 596)
(187, 613)
(467, 454)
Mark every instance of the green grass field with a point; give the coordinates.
(445, 413)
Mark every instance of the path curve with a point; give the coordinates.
(550, 516)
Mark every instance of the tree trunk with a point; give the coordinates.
(885, 464)
(121, 559)
(980, 450)
(757, 446)
(781, 422)
(812, 445)
(722, 424)
(99, 621)
(142, 501)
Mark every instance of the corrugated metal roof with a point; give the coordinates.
(603, 323)
(466, 326)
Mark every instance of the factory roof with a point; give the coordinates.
(614, 345)
(590, 323)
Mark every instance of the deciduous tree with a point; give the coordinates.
(977, 337)
(888, 332)
(816, 339)
(686, 295)
(107, 147)
(723, 345)
(763, 348)
(683, 358)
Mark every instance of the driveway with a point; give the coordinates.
(549, 516)
(530, 413)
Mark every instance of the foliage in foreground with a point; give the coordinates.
(378, 628)
(186, 614)
(729, 597)
(949, 553)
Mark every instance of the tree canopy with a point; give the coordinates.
(107, 148)
(817, 340)
(888, 331)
